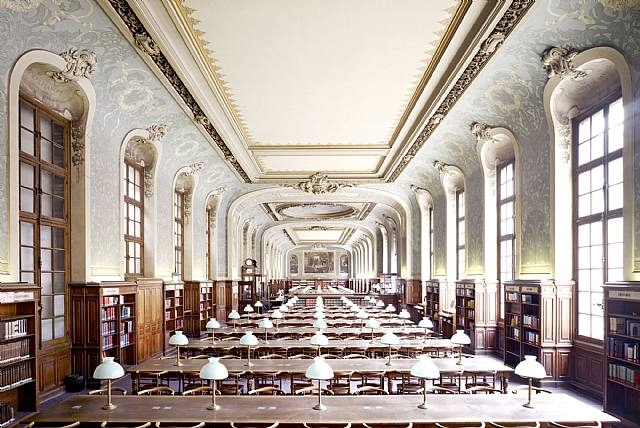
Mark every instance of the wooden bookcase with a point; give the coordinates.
(432, 302)
(475, 313)
(19, 337)
(173, 307)
(103, 324)
(538, 321)
(199, 302)
(622, 350)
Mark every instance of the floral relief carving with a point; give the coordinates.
(564, 141)
(80, 63)
(146, 44)
(319, 184)
(77, 145)
(559, 61)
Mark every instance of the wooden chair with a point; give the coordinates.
(299, 381)
(370, 390)
(439, 390)
(325, 425)
(535, 424)
(486, 378)
(301, 357)
(266, 390)
(370, 378)
(481, 389)
(340, 384)
(272, 356)
(460, 425)
(35, 424)
(233, 384)
(109, 424)
(201, 390)
(311, 390)
(190, 380)
(595, 424)
(253, 425)
(374, 425)
(267, 379)
(116, 390)
(147, 379)
(157, 390)
(408, 384)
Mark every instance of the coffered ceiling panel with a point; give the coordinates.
(308, 163)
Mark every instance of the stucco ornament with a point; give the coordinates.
(621, 5)
(319, 184)
(559, 61)
(19, 5)
(80, 63)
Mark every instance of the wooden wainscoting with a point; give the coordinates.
(53, 366)
(588, 368)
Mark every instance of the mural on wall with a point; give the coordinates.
(344, 263)
(293, 265)
(318, 262)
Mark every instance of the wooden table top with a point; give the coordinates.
(285, 330)
(419, 345)
(340, 409)
(309, 321)
(446, 365)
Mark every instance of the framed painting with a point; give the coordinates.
(319, 262)
(293, 264)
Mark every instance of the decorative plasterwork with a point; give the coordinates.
(483, 136)
(140, 148)
(559, 61)
(77, 144)
(157, 131)
(317, 211)
(145, 42)
(318, 246)
(319, 184)
(481, 132)
(80, 63)
(423, 196)
(489, 47)
(564, 141)
(193, 169)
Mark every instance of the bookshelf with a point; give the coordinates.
(19, 330)
(103, 324)
(432, 302)
(199, 302)
(538, 321)
(622, 350)
(475, 313)
(173, 308)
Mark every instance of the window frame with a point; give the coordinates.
(178, 232)
(130, 200)
(500, 170)
(460, 230)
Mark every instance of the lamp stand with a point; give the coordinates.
(388, 363)
(265, 336)
(459, 363)
(372, 341)
(319, 406)
(528, 403)
(213, 336)
(424, 404)
(319, 352)
(425, 335)
(178, 363)
(109, 405)
(234, 325)
(249, 363)
(213, 405)
(277, 327)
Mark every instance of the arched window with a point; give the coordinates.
(133, 218)
(460, 234)
(506, 197)
(178, 231)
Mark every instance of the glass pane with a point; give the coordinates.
(584, 182)
(27, 258)
(27, 143)
(615, 255)
(138, 231)
(596, 256)
(28, 277)
(46, 205)
(47, 306)
(58, 305)
(58, 186)
(58, 260)
(597, 147)
(45, 258)
(615, 230)
(45, 236)
(58, 208)
(46, 151)
(58, 155)
(584, 130)
(59, 327)
(597, 177)
(616, 112)
(27, 175)
(616, 274)
(58, 283)
(26, 233)
(26, 115)
(597, 202)
(45, 127)
(46, 283)
(58, 238)
(47, 329)
(57, 134)
(597, 328)
(597, 123)
(584, 206)
(584, 280)
(596, 233)
(584, 325)
(596, 279)
(615, 171)
(584, 257)
(616, 196)
(138, 266)
(616, 139)
(584, 302)
(26, 200)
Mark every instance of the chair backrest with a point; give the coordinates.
(595, 424)
(272, 356)
(266, 390)
(35, 424)
(460, 425)
(157, 390)
(535, 424)
(300, 357)
(200, 390)
(310, 390)
(199, 357)
(179, 425)
(370, 390)
(107, 424)
(254, 425)
(326, 425)
(402, 425)
(114, 390)
(480, 389)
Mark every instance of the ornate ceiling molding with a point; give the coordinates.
(489, 46)
(147, 45)
(319, 184)
(558, 61)
(80, 63)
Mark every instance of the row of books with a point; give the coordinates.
(531, 337)
(624, 326)
(624, 374)
(126, 339)
(126, 327)
(513, 332)
(529, 298)
(531, 321)
(14, 351)
(626, 350)
(109, 313)
(6, 414)
(110, 300)
(14, 375)
(108, 327)
(15, 328)
(168, 303)
(125, 311)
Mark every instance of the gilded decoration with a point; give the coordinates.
(559, 61)
(488, 47)
(80, 63)
(319, 184)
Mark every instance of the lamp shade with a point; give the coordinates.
(320, 323)
(234, 315)
(257, 304)
(362, 315)
(319, 339)
(425, 323)
(108, 369)
(284, 308)
(355, 308)
(390, 308)
(372, 323)
(276, 314)
(460, 338)
(319, 369)
(379, 303)
(248, 339)
(178, 339)
(390, 339)
(289, 304)
(265, 323)
(366, 298)
(214, 370)
(212, 323)
(319, 314)
(373, 301)
(425, 368)
(530, 368)
(247, 309)
(404, 314)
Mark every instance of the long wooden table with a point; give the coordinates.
(299, 330)
(340, 409)
(447, 366)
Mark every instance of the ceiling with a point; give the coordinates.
(316, 93)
